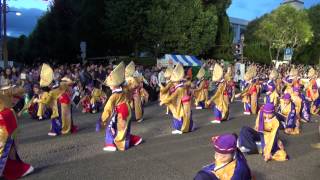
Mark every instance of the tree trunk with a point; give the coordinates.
(270, 53)
(278, 53)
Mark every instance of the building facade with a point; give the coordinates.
(298, 4)
(238, 28)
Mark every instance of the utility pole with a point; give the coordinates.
(5, 48)
(242, 46)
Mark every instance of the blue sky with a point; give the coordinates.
(33, 9)
(251, 9)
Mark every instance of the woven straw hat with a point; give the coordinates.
(273, 74)
(217, 73)
(168, 72)
(311, 73)
(116, 77)
(293, 72)
(130, 69)
(7, 93)
(178, 73)
(46, 75)
(201, 73)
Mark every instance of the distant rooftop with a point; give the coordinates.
(298, 4)
(239, 21)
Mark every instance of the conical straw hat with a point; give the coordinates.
(201, 73)
(217, 72)
(130, 69)
(311, 73)
(293, 72)
(46, 75)
(168, 72)
(116, 77)
(178, 73)
(228, 75)
(273, 74)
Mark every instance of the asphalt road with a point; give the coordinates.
(162, 156)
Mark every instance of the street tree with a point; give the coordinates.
(285, 27)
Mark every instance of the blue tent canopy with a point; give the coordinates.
(185, 60)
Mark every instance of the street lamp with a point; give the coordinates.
(4, 8)
(18, 13)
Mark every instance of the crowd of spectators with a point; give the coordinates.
(84, 75)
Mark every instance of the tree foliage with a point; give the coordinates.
(310, 53)
(128, 27)
(182, 26)
(283, 28)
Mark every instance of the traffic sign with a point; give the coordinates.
(288, 52)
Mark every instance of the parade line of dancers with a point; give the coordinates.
(288, 103)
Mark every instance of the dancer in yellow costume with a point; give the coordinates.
(291, 81)
(249, 94)
(272, 95)
(166, 89)
(133, 88)
(229, 162)
(229, 94)
(201, 91)
(312, 92)
(116, 115)
(217, 101)
(64, 107)
(266, 134)
(11, 166)
(287, 115)
(97, 97)
(179, 102)
(50, 99)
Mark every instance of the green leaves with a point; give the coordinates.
(127, 27)
(282, 28)
(182, 26)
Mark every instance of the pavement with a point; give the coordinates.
(162, 156)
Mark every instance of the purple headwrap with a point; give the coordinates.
(287, 96)
(225, 144)
(266, 109)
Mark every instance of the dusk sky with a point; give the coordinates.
(33, 9)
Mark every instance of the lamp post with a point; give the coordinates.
(4, 42)
(242, 45)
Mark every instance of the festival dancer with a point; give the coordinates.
(51, 98)
(43, 97)
(85, 101)
(229, 94)
(254, 91)
(65, 108)
(272, 95)
(291, 81)
(201, 91)
(229, 162)
(179, 102)
(312, 92)
(302, 106)
(249, 94)
(33, 106)
(133, 87)
(144, 95)
(266, 134)
(287, 115)
(279, 85)
(166, 89)
(217, 101)
(97, 97)
(11, 166)
(118, 112)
